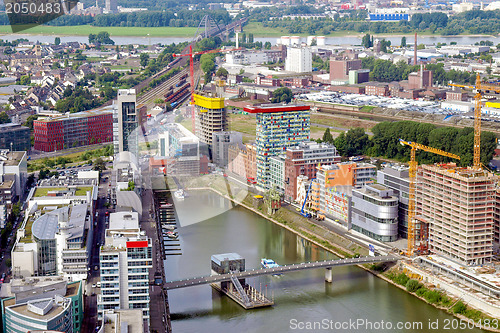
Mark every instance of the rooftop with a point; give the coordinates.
(269, 108)
(12, 126)
(84, 114)
(77, 191)
(123, 221)
(26, 309)
(10, 158)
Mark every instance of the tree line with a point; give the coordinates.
(386, 135)
(387, 71)
(472, 22)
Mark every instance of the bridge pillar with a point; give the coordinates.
(328, 275)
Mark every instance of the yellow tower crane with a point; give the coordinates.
(479, 88)
(412, 173)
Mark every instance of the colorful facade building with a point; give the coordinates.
(73, 130)
(331, 197)
(303, 159)
(278, 127)
(242, 160)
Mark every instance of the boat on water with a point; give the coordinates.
(172, 234)
(268, 263)
(179, 195)
(168, 227)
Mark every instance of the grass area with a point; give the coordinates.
(42, 191)
(187, 123)
(436, 297)
(341, 122)
(83, 190)
(27, 231)
(367, 108)
(244, 124)
(80, 191)
(84, 30)
(69, 159)
(258, 30)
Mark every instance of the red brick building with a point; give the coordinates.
(73, 130)
(339, 68)
(303, 160)
(377, 89)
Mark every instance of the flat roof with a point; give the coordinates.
(123, 221)
(218, 258)
(57, 309)
(11, 158)
(96, 112)
(268, 108)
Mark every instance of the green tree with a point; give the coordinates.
(356, 141)
(403, 41)
(159, 101)
(222, 72)
(282, 95)
(340, 144)
(99, 164)
(57, 41)
(327, 136)
(267, 45)
(250, 38)
(366, 41)
(4, 118)
(144, 59)
(412, 285)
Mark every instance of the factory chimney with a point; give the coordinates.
(415, 51)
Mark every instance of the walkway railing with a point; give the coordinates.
(276, 270)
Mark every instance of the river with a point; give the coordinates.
(301, 296)
(349, 40)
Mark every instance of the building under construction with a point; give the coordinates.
(210, 116)
(457, 206)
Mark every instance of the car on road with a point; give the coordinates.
(94, 285)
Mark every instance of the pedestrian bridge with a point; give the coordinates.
(328, 264)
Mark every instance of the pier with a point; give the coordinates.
(236, 288)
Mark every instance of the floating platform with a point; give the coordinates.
(254, 299)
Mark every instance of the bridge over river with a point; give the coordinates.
(328, 264)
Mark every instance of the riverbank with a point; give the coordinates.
(85, 30)
(316, 236)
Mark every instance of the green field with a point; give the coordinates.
(84, 30)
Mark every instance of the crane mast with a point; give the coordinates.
(479, 88)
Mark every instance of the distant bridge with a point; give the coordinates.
(328, 264)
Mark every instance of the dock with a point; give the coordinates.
(248, 297)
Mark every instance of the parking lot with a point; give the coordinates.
(429, 107)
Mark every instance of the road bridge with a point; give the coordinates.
(328, 264)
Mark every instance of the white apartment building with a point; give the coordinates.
(126, 258)
(246, 58)
(298, 60)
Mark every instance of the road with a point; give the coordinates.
(157, 296)
(90, 298)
